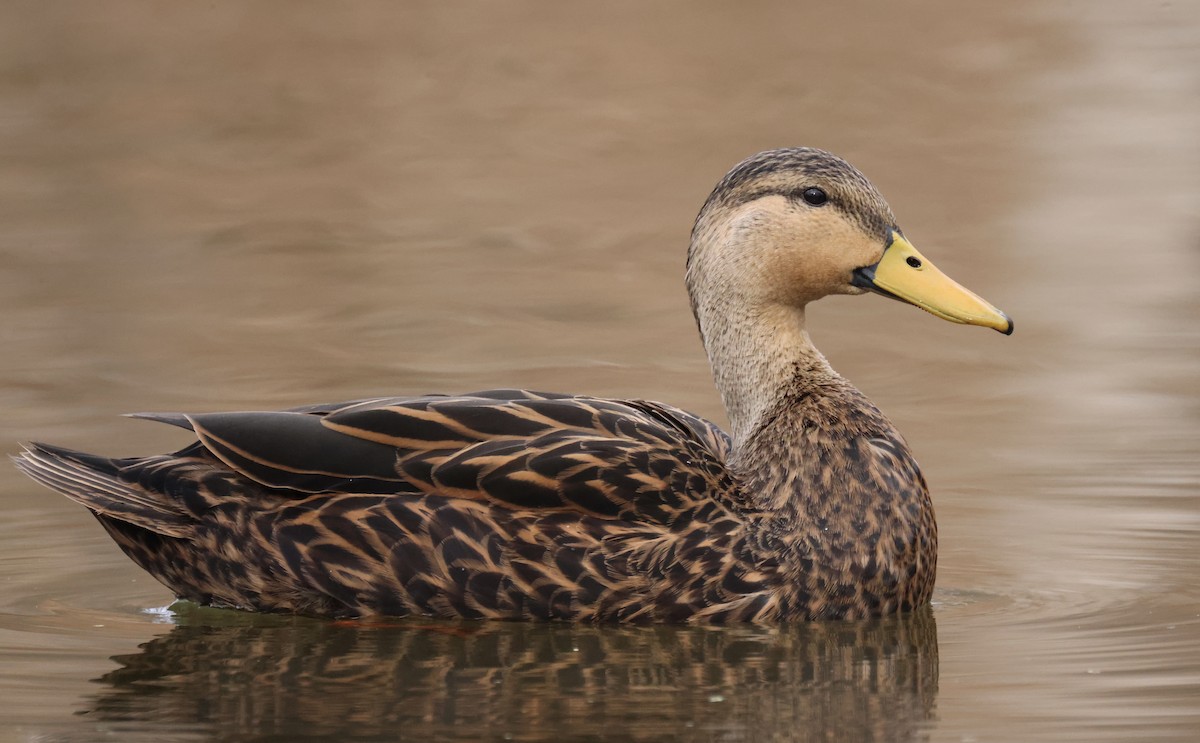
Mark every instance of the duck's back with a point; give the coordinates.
(500, 504)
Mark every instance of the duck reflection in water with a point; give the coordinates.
(233, 675)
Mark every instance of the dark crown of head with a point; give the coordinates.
(788, 171)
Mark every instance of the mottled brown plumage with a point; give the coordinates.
(510, 504)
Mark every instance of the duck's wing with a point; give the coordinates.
(514, 449)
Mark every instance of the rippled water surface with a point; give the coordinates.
(210, 206)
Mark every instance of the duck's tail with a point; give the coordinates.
(96, 483)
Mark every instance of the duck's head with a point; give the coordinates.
(786, 227)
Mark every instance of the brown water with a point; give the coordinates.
(216, 206)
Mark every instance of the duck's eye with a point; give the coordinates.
(913, 261)
(814, 196)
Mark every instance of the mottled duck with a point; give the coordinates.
(511, 504)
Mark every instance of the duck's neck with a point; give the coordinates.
(757, 354)
(837, 502)
(800, 430)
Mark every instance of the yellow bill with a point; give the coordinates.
(904, 274)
